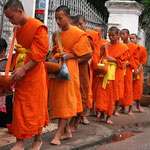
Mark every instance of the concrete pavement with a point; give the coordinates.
(95, 133)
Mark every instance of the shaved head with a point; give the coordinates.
(74, 20)
(63, 8)
(98, 29)
(126, 30)
(13, 5)
(81, 17)
(113, 28)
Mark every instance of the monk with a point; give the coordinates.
(131, 64)
(30, 112)
(84, 86)
(107, 89)
(95, 39)
(65, 97)
(120, 74)
(95, 60)
(138, 81)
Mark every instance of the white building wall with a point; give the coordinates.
(124, 14)
(29, 6)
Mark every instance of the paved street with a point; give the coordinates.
(100, 133)
(140, 141)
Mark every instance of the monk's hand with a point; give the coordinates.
(110, 59)
(18, 73)
(127, 64)
(68, 56)
(137, 71)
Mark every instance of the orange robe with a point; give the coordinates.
(95, 60)
(30, 112)
(133, 58)
(65, 97)
(84, 84)
(105, 98)
(90, 93)
(138, 83)
(95, 38)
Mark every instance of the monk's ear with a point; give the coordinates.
(85, 22)
(20, 10)
(68, 16)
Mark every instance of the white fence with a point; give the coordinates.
(77, 7)
(81, 7)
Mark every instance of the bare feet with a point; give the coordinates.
(109, 121)
(19, 145)
(84, 120)
(36, 145)
(98, 114)
(55, 141)
(91, 113)
(131, 114)
(116, 114)
(73, 129)
(66, 136)
(98, 119)
(140, 109)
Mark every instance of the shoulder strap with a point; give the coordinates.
(10, 52)
(59, 41)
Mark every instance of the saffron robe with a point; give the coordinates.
(65, 98)
(133, 58)
(105, 98)
(95, 38)
(138, 83)
(95, 60)
(84, 84)
(30, 111)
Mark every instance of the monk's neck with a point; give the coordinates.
(126, 41)
(112, 43)
(24, 20)
(67, 27)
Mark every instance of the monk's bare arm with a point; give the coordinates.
(84, 58)
(102, 50)
(138, 70)
(18, 73)
(111, 59)
(29, 65)
(73, 56)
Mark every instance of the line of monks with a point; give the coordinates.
(69, 100)
(119, 86)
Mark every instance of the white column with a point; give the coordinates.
(124, 14)
(42, 10)
(29, 6)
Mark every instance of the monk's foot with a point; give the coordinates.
(73, 129)
(109, 122)
(91, 113)
(98, 119)
(36, 145)
(66, 136)
(102, 116)
(55, 141)
(116, 114)
(84, 120)
(123, 111)
(131, 114)
(98, 114)
(140, 109)
(18, 147)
